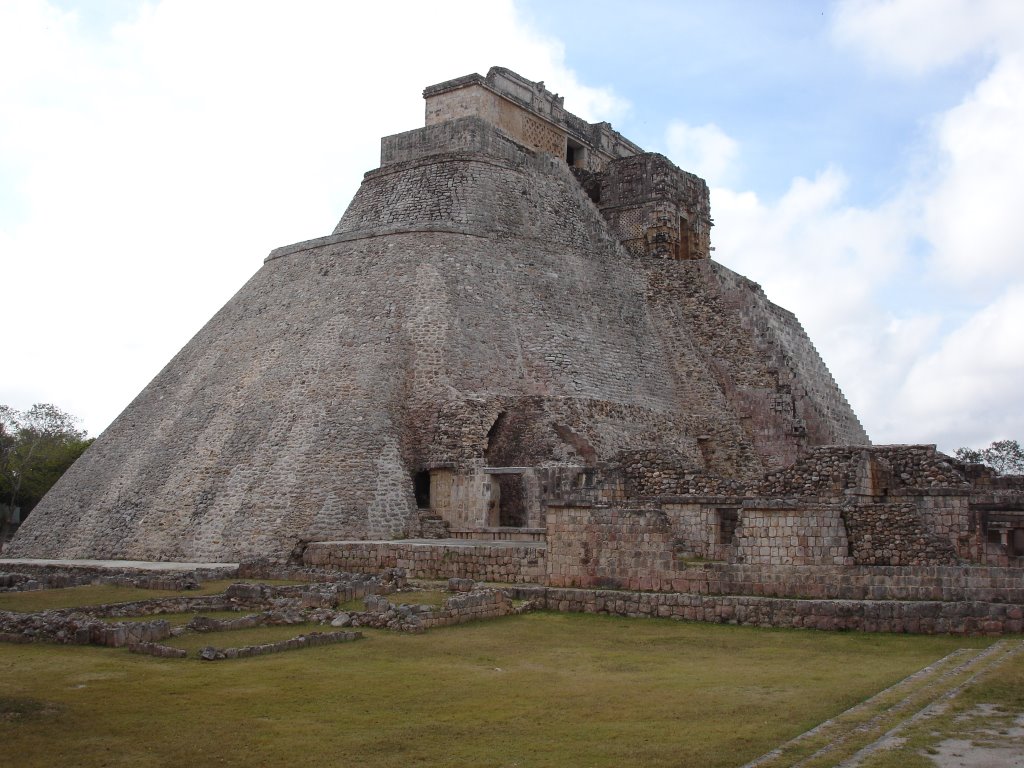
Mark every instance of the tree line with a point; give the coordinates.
(1006, 457)
(37, 446)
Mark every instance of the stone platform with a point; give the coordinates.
(490, 560)
(129, 565)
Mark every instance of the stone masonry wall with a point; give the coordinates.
(923, 617)
(826, 471)
(525, 562)
(941, 583)
(800, 550)
(791, 535)
(628, 548)
(895, 534)
(656, 209)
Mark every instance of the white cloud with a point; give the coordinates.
(973, 214)
(146, 171)
(702, 149)
(962, 390)
(816, 251)
(914, 37)
(831, 263)
(916, 304)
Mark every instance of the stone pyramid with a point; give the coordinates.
(515, 300)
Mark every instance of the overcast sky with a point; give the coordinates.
(866, 163)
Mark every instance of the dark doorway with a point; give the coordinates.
(511, 500)
(421, 487)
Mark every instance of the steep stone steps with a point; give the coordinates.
(847, 739)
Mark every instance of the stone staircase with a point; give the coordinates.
(848, 739)
(433, 527)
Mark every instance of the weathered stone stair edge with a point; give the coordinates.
(938, 685)
(985, 662)
(834, 728)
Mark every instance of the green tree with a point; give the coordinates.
(1006, 457)
(36, 447)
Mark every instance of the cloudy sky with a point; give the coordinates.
(865, 158)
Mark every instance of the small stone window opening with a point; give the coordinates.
(574, 154)
(728, 520)
(1015, 540)
(421, 488)
(585, 479)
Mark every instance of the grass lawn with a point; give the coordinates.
(535, 690)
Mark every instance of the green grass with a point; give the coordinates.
(535, 690)
(237, 638)
(99, 594)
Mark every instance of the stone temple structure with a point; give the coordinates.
(515, 332)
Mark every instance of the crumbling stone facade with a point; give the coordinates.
(514, 332)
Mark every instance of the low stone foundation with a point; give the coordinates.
(919, 617)
(71, 627)
(312, 640)
(458, 609)
(158, 650)
(517, 562)
(21, 577)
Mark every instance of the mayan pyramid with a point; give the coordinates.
(515, 298)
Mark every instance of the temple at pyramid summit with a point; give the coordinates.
(515, 333)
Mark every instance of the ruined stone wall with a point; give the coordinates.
(865, 471)
(842, 582)
(897, 534)
(652, 473)
(703, 527)
(474, 606)
(791, 535)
